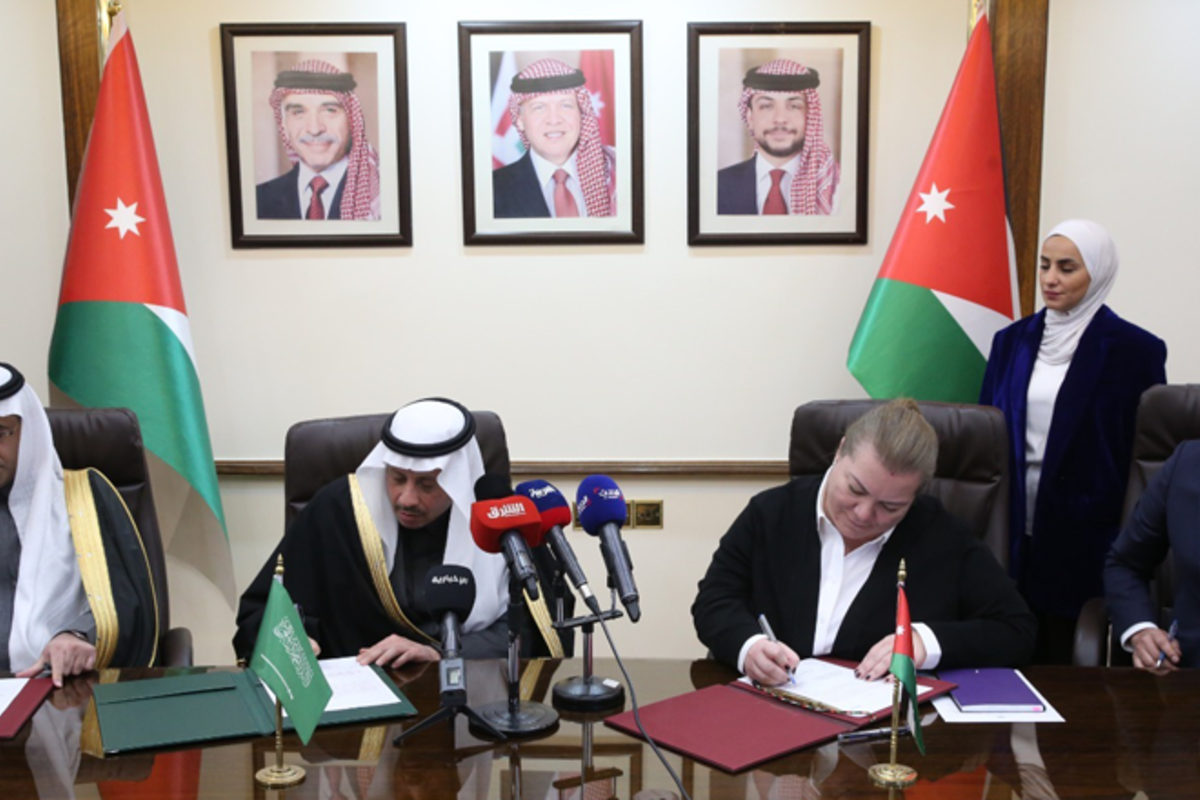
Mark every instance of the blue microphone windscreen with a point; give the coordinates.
(543, 494)
(599, 501)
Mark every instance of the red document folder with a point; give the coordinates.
(735, 726)
(23, 706)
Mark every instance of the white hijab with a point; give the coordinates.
(1064, 329)
(49, 592)
(428, 422)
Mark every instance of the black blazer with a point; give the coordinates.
(735, 189)
(279, 198)
(516, 192)
(770, 563)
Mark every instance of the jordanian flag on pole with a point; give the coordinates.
(284, 660)
(121, 337)
(904, 669)
(948, 281)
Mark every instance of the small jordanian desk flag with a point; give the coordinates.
(904, 669)
(284, 660)
(948, 281)
(122, 337)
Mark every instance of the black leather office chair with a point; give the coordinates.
(1167, 415)
(110, 440)
(971, 478)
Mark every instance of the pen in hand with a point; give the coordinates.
(770, 634)
(1162, 654)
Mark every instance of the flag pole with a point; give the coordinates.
(894, 775)
(280, 775)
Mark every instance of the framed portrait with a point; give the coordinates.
(316, 127)
(777, 132)
(551, 132)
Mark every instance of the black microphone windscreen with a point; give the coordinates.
(492, 487)
(449, 588)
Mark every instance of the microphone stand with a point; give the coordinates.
(517, 717)
(452, 677)
(586, 692)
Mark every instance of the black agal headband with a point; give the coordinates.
(781, 83)
(550, 83)
(13, 380)
(429, 449)
(321, 81)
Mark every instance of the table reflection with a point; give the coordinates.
(1127, 735)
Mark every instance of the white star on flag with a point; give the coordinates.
(899, 630)
(934, 205)
(124, 218)
(597, 102)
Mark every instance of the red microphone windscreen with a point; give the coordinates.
(491, 519)
(559, 515)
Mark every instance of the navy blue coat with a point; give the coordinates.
(516, 193)
(279, 198)
(1165, 518)
(1088, 452)
(736, 192)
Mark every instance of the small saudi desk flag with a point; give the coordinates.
(284, 660)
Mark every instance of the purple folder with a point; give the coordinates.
(992, 689)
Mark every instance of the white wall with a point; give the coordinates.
(658, 351)
(33, 203)
(1122, 123)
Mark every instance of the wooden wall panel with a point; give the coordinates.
(1019, 40)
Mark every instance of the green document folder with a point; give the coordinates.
(185, 709)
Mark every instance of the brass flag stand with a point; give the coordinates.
(894, 775)
(280, 775)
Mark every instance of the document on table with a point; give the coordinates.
(949, 710)
(835, 687)
(9, 689)
(354, 685)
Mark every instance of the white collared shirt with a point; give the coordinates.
(333, 174)
(843, 576)
(545, 174)
(762, 184)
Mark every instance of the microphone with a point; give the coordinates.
(449, 593)
(502, 522)
(602, 512)
(555, 513)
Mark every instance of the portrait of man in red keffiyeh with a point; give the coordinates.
(793, 170)
(566, 171)
(335, 172)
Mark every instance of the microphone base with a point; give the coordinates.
(588, 694)
(526, 719)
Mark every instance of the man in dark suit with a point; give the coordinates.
(320, 121)
(792, 170)
(566, 171)
(819, 558)
(1164, 521)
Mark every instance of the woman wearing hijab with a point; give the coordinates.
(1068, 380)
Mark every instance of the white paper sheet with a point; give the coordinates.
(835, 686)
(353, 685)
(949, 710)
(9, 689)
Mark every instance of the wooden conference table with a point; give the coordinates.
(1125, 732)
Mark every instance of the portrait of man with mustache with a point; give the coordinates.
(335, 170)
